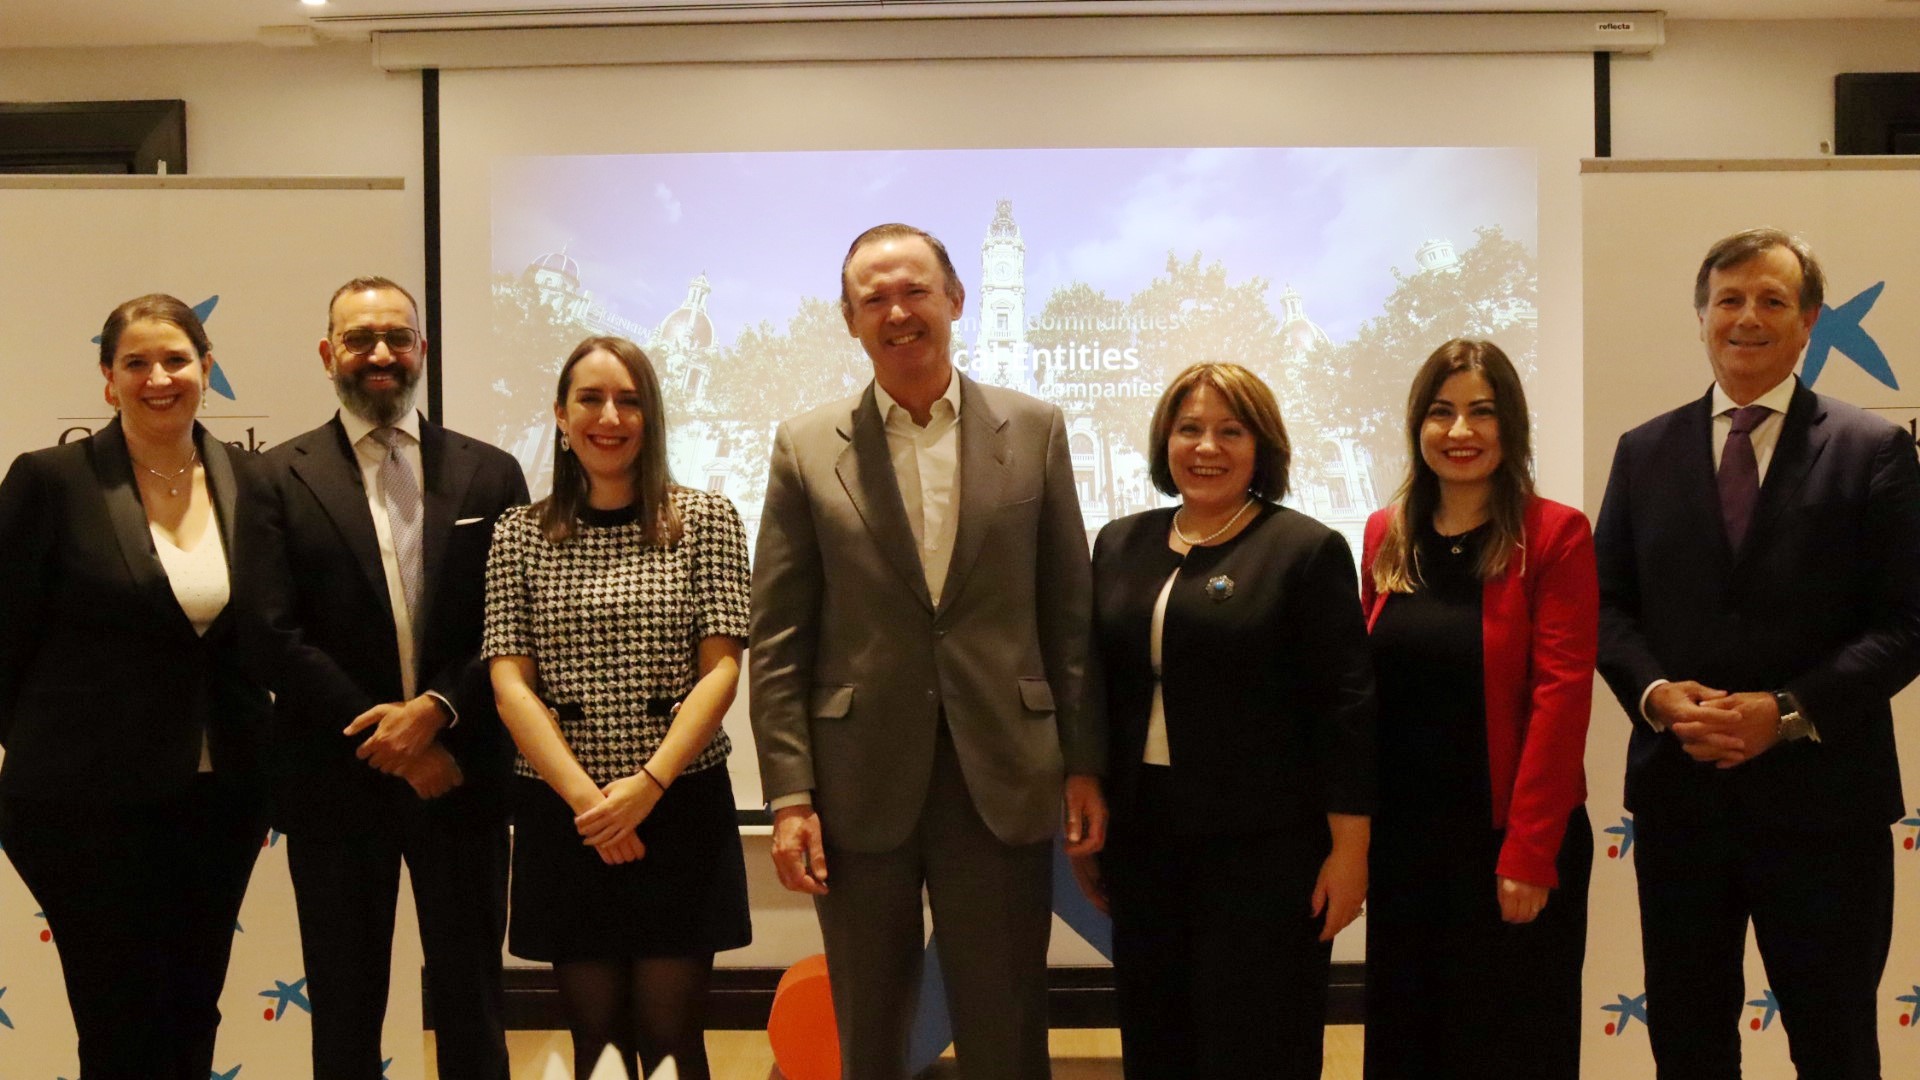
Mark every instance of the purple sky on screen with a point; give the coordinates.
(768, 228)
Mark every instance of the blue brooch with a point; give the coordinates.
(1219, 587)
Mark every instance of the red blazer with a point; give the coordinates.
(1540, 627)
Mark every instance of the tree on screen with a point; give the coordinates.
(1491, 293)
(1223, 321)
(1078, 315)
(776, 374)
(521, 360)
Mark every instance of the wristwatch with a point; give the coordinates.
(1794, 724)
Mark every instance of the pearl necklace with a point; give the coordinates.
(1212, 536)
(172, 479)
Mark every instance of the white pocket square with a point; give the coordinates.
(467, 521)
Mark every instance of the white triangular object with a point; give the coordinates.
(609, 1067)
(667, 1071)
(556, 1068)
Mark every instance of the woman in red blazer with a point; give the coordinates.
(1482, 610)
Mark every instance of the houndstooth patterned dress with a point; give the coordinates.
(611, 622)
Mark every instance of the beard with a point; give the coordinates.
(381, 408)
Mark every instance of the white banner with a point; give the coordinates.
(1647, 226)
(259, 259)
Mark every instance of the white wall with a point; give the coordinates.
(1716, 89)
(1748, 89)
(251, 110)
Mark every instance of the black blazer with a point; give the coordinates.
(1268, 691)
(325, 636)
(1822, 599)
(105, 689)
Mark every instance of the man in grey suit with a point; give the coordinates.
(921, 615)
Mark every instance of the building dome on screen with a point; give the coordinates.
(1436, 255)
(1299, 335)
(555, 264)
(689, 326)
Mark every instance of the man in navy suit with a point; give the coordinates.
(1759, 557)
(370, 558)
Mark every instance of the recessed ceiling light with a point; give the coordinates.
(314, 3)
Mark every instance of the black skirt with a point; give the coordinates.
(686, 897)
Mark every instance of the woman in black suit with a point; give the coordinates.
(128, 796)
(1239, 694)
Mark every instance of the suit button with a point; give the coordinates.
(932, 695)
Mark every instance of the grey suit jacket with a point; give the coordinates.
(851, 663)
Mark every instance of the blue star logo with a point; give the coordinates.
(1769, 1007)
(383, 1066)
(1912, 999)
(228, 1075)
(216, 378)
(4, 1018)
(287, 995)
(1630, 1009)
(1624, 831)
(1839, 328)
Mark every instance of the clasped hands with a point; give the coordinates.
(606, 821)
(1726, 729)
(403, 745)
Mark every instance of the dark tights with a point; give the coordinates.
(651, 1006)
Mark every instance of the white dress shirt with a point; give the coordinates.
(371, 453)
(926, 464)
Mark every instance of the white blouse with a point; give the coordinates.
(1155, 752)
(198, 576)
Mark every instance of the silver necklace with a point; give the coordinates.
(1212, 536)
(1458, 541)
(172, 479)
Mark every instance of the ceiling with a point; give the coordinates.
(26, 23)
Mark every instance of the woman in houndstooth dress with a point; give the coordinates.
(616, 616)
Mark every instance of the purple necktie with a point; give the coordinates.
(1739, 477)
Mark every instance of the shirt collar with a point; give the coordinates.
(1776, 399)
(358, 428)
(885, 402)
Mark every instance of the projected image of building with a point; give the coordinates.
(1306, 265)
(1334, 475)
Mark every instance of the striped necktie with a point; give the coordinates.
(400, 489)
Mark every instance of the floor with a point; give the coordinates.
(744, 1055)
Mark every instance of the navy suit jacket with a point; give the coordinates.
(325, 630)
(1822, 599)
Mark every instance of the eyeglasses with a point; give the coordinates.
(361, 341)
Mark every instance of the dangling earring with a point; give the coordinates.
(565, 443)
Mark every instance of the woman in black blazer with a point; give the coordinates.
(129, 801)
(1239, 695)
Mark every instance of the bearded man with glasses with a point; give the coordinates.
(371, 562)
